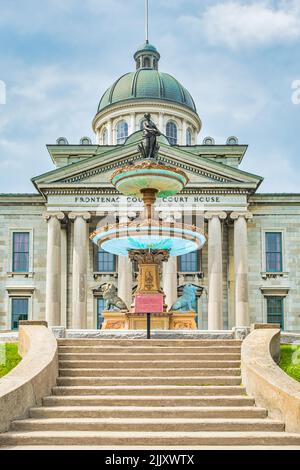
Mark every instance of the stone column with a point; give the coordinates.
(125, 283)
(109, 132)
(170, 280)
(184, 129)
(53, 274)
(241, 267)
(132, 123)
(80, 258)
(125, 280)
(215, 271)
(161, 123)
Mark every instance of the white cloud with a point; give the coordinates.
(44, 102)
(236, 24)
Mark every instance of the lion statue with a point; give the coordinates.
(187, 302)
(110, 295)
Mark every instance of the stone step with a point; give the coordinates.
(139, 357)
(154, 349)
(151, 424)
(145, 400)
(232, 412)
(208, 380)
(147, 342)
(154, 390)
(149, 438)
(179, 372)
(147, 364)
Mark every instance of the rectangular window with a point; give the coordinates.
(273, 252)
(20, 261)
(100, 308)
(275, 312)
(189, 263)
(105, 262)
(19, 311)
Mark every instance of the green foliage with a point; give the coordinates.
(9, 357)
(290, 360)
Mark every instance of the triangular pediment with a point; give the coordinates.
(97, 170)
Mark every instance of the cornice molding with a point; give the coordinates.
(112, 192)
(158, 105)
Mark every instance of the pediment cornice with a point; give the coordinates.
(212, 175)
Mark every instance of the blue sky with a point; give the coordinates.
(238, 59)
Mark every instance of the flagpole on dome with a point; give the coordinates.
(147, 20)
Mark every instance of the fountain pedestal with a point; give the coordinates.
(149, 298)
(182, 321)
(114, 320)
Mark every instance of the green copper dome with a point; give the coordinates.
(147, 47)
(147, 83)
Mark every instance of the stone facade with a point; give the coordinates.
(270, 213)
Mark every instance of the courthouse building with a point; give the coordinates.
(49, 268)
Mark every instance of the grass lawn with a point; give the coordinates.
(9, 357)
(290, 360)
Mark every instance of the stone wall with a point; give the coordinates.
(275, 216)
(23, 215)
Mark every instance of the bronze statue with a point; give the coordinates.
(150, 149)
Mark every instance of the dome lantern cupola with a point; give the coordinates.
(147, 57)
(122, 107)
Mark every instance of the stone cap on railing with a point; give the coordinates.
(271, 387)
(33, 378)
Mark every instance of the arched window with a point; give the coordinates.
(147, 62)
(122, 132)
(105, 137)
(188, 137)
(171, 132)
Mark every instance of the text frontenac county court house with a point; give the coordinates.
(250, 263)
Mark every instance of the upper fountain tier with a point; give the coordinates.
(134, 180)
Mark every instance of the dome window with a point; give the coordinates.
(209, 141)
(171, 132)
(188, 137)
(147, 63)
(122, 132)
(85, 141)
(232, 140)
(105, 137)
(62, 141)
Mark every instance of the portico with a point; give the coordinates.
(78, 204)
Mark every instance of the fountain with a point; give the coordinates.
(148, 240)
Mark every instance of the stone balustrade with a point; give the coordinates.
(272, 388)
(34, 376)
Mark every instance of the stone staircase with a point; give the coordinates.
(148, 393)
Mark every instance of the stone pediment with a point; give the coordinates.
(97, 170)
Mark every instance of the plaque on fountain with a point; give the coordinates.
(149, 303)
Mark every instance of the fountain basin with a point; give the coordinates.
(178, 239)
(165, 180)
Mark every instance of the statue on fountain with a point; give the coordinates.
(149, 150)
